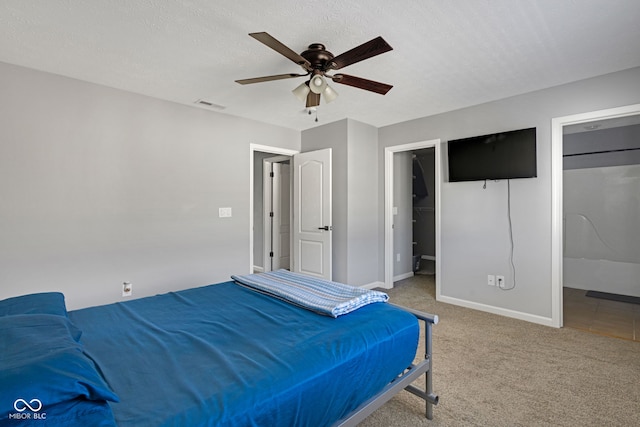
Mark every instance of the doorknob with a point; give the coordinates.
(326, 227)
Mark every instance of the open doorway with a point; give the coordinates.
(276, 213)
(423, 219)
(257, 241)
(400, 215)
(581, 233)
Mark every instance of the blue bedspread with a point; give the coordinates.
(223, 355)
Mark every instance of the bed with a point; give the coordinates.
(218, 355)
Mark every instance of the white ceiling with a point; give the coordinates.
(447, 54)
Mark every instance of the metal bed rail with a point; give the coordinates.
(404, 380)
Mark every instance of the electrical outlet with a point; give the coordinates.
(491, 280)
(501, 282)
(224, 213)
(398, 257)
(127, 289)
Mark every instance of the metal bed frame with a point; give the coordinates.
(404, 380)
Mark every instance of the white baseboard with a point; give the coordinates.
(429, 257)
(403, 276)
(546, 321)
(374, 285)
(257, 269)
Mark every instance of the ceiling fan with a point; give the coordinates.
(317, 62)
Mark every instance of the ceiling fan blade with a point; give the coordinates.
(269, 78)
(313, 99)
(268, 40)
(360, 83)
(360, 53)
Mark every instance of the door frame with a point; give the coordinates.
(388, 206)
(265, 149)
(557, 208)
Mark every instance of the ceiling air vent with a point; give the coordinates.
(208, 104)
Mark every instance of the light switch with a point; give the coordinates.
(224, 212)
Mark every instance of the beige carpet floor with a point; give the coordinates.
(491, 370)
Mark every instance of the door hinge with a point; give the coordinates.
(271, 214)
(271, 254)
(271, 174)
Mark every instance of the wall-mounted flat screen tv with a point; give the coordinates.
(504, 155)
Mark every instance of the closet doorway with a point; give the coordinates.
(423, 212)
(405, 238)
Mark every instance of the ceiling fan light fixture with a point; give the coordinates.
(317, 84)
(329, 94)
(316, 61)
(302, 91)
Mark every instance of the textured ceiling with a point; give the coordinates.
(447, 54)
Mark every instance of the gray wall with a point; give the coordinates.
(334, 135)
(356, 217)
(363, 201)
(101, 186)
(474, 226)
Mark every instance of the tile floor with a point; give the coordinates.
(600, 316)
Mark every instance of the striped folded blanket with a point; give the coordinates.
(319, 295)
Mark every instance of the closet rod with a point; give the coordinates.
(601, 152)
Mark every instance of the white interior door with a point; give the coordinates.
(277, 212)
(312, 227)
(281, 224)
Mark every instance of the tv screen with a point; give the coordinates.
(504, 155)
